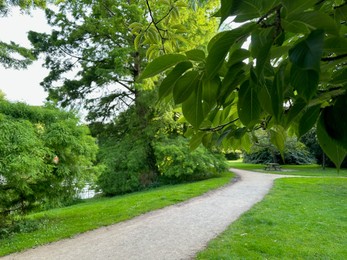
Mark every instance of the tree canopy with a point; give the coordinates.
(282, 68)
(98, 48)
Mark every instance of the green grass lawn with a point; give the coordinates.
(301, 218)
(302, 170)
(66, 222)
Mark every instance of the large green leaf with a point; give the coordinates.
(304, 81)
(265, 95)
(228, 8)
(278, 137)
(308, 119)
(294, 111)
(248, 106)
(335, 44)
(221, 46)
(335, 121)
(314, 20)
(237, 56)
(250, 9)
(339, 77)
(307, 53)
(210, 90)
(192, 109)
(161, 64)
(261, 42)
(185, 85)
(329, 145)
(167, 85)
(196, 55)
(277, 93)
(297, 6)
(233, 78)
(305, 57)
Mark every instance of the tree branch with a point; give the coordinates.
(155, 23)
(218, 128)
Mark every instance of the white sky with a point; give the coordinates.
(23, 85)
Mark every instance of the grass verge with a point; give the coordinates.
(301, 218)
(66, 222)
(302, 170)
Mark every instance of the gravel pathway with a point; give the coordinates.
(175, 232)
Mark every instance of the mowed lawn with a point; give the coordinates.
(300, 170)
(301, 218)
(66, 222)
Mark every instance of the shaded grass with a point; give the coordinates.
(301, 218)
(302, 170)
(66, 222)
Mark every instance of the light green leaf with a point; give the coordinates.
(167, 85)
(196, 140)
(210, 90)
(278, 138)
(196, 55)
(334, 151)
(185, 85)
(161, 64)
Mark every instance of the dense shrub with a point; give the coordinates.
(126, 168)
(295, 152)
(176, 162)
(45, 157)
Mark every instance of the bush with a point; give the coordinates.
(264, 152)
(46, 155)
(176, 162)
(127, 167)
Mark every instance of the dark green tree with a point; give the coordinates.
(283, 68)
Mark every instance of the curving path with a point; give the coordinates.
(175, 232)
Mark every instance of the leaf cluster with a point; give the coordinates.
(282, 69)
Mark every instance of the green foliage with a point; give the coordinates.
(264, 151)
(30, 139)
(137, 150)
(283, 70)
(127, 168)
(108, 43)
(176, 162)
